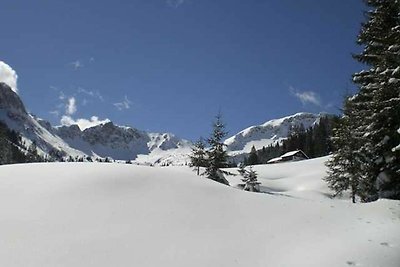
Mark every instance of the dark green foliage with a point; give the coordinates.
(32, 154)
(13, 150)
(56, 155)
(217, 156)
(198, 156)
(343, 166)
(253, 157)
(314, 142)
(374, 112)
(250, 179)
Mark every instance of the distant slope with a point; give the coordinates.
(270, 132)
(92, 214)
(297, 179)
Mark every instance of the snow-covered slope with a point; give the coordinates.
(269, 133)
(104, 140)
(118, 142)
(92, 214)
(14, 114)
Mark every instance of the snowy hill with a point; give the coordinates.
(104, 140)
(92, 214)
(269, 133)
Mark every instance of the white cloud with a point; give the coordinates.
(125, 104)
(55, 113)
(61, 95)
(70, 107)
(83, 123)
(306, 97)
(8, 76)
(76, 64)
(175, 3)
(94, 94)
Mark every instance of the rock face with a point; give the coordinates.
(270, 132)
(10, 101)
(104, 140)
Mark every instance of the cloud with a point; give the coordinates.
(306, 97)
(70, 107)
(125, 104)
(94, 94)
(83, 123)
(8, 76)
(175, 3)
(76, 64)
(55, 113)
(61, 95)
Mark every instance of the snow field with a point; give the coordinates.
(91, 214)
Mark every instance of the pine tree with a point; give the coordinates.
(198, 156)
(377, 104)
(216, 154)
(253, 158)
(344, 165)
(367, 134)
(250, 179)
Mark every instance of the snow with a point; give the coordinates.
(176, 157)
(271, 132)
(92, 214)
(274, 160)
(394, 80)
(290, 153)
(397, 148)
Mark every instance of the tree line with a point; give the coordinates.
(314, 142)
(13, 148)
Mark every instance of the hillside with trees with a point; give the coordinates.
(314, 142)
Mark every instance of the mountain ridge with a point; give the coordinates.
(270, 132)
(103, 140)
(108, 140)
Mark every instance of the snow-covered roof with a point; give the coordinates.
(292, 153)
(274, 160)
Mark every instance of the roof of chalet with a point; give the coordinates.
(292, 153)
(288, 154)
(274, 160)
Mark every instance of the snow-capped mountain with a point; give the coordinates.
(117, 142)
(104, 140)
(269, 133)
(127, 143)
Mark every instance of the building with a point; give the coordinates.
(290, 156)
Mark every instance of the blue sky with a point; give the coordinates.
(170, 65)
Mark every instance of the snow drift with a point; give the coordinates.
(92, 214)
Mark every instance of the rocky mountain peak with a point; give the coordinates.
(10, 101)
(270, 132)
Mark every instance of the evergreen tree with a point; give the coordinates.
(253, 158)
(32, 153)
(250, 179)
(343, 165)
(198, 156)
(368, 131)
(216, 155)
(378, 101)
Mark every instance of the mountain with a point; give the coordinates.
(104, 140)
(270, 132)
(127, 143)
